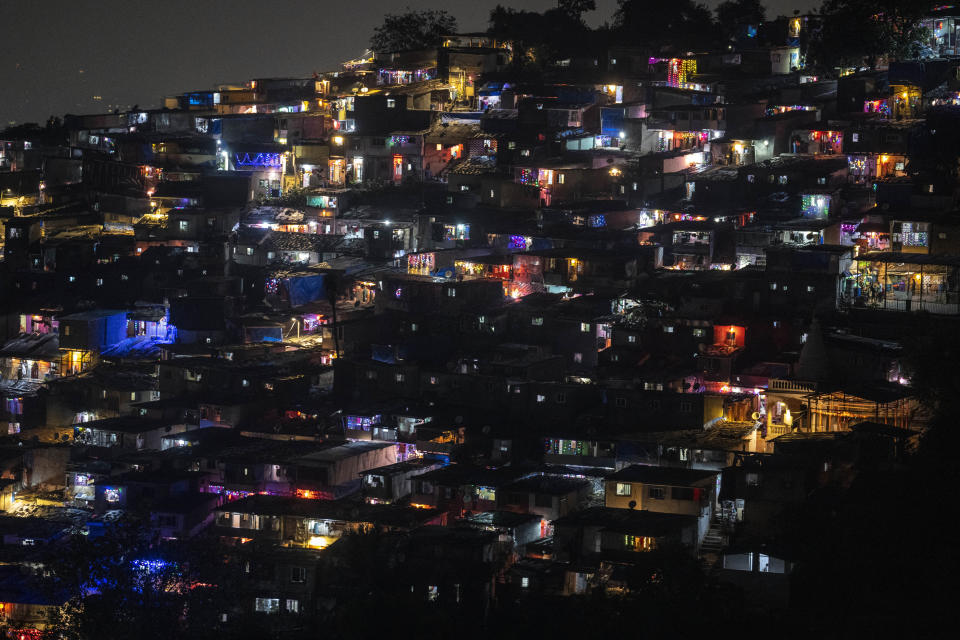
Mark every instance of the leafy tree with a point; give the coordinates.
(732, 14)
(857, 32)
(413, 29)
(540, 38)
(679, 24)
(122, 585)
(576, 8)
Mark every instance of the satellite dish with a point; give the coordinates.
(458, 420)
(632, 504)
(486, 429)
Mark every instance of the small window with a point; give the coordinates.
(293, 605)
(585, 327)
(699, 333)
(399, 377)
(298, 574)
(245, 382)
(811, 288)
(537, 321)
(773, 286)
(668, 329)
(561, 398)
(621, 402)
(631, 339)
(751, 178)
(433, 380)
(753, 479)
(578, 357)
(267, 605)
(657, 493)
(624, 489)
(782, 179)
(686, 406)
(184, 225)
(451, 292)
(855, 137)
(249, 251)
(681, 493)
(391, 103)
(541, 398)
(560, 178)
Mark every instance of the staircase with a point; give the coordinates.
(713, 542)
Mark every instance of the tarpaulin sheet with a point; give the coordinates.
(304, 289)
(264, 334)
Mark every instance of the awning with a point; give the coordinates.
(876, 227)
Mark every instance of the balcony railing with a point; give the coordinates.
(776, 430)
(942, 306)
(777, 384)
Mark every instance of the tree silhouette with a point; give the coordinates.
(411, 30)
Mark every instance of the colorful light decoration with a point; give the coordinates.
(597, 221)
(815, 205)
(258, 160)
(679, 71)
(519, 242)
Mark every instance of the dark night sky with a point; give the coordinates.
(56, 55)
